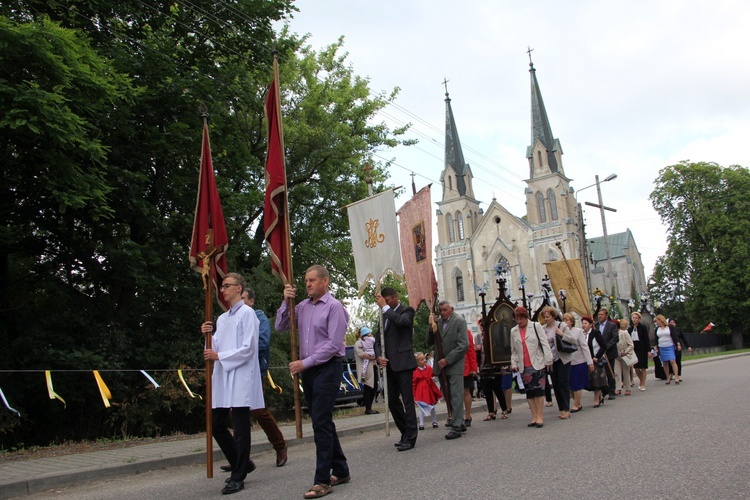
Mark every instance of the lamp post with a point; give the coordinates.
(601, 208)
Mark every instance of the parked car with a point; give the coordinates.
(350, 390)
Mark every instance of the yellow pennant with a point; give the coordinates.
(274, 386)
(103, 389)
(182, 379)
(51, 390)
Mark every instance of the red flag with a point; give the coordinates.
(208, 215)
(276, 213)
(415, 224)
(708, 328)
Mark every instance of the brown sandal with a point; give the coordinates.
(490, 416)
(504, 415)
(335, 480)
(318, 490)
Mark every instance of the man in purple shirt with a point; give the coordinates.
(321, 322)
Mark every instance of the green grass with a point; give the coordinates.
(689, 357)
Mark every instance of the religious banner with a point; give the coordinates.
(374, 232)
(415, 226)
(275, 210)
(209, 216)
(567, 275)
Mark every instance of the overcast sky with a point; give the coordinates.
(629, 87)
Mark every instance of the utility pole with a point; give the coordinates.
(602, 208)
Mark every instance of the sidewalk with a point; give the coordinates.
(22, 477)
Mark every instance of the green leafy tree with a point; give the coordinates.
(706, 208)
(101, 145)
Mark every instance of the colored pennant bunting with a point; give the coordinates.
(5, 401)
(182, 379)
(150, 379)
(51, 390)
(103, 389)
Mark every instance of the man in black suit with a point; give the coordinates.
(398, 328)
(610, 335)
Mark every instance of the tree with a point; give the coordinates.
(707, 210)
(99, 184)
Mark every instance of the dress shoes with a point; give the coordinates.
(398, 444)
(448, 424)
(405, 447)
(233, 487)
(228, 468)
(281, 457)
(453, 435)
(611, 398)
(371, 412)
(463, 428)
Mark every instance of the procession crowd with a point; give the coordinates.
(553, 356)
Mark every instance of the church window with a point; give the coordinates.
(502, 270)
(460, 223)
(451, 230)
(540, 207)
(539, 159)
(551, 255)
(552, 204)
(469, 222)
(450, 183)
(459, 287)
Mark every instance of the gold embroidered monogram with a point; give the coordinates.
(373, 238)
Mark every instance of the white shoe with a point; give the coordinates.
(641, 388)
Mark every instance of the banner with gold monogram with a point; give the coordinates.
(374, 231)
(568, 275)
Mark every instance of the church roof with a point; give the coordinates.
(454, 155)
(618, 243)
(540, 127)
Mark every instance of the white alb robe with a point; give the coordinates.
(236, 378)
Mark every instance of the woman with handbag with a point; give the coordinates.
(641, 347)
(562, 344)
(597, 348)
(626, 358)
(530, 354)
(580, 364)
(667, 345)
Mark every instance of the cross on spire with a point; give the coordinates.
(529, 53)
(445, 82)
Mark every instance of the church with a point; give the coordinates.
(475, 245)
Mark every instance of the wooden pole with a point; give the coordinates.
(208, 316)
(288, 277)
(385, 372)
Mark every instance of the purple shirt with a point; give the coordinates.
(321, 325)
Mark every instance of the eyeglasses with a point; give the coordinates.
(227, 285)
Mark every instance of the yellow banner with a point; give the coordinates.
(567, 275)
(103, 389)
(182, 379)
(273, 386)
(51, 390)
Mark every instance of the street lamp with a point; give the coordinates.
(582, 238)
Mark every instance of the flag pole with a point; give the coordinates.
(208, 316)
(288, 273)
(386, 413)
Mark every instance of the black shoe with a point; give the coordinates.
(371, 412)
(405, 447)
(532, 424)
(448, 423)
(611, 398)
(398, 444)
(233, 487)
(453, 435)
(467, 422)
(421, 427)
(228, 468)
(463, 428)
(539, 426)
(434, 425)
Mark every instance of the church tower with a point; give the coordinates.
(458, 216)
(550, 204)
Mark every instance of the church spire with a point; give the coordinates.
(540, 127)
(454, 155)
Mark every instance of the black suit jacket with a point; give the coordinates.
(643, 344)
(610, 336)
(595, 334)
(399, 338)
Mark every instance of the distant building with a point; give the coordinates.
(472, 241)
(627, 266)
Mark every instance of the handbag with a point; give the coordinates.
(630, 359)
(564, 345)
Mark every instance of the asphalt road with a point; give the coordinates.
(685, 441)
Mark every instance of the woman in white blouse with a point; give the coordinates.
(667, 347)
